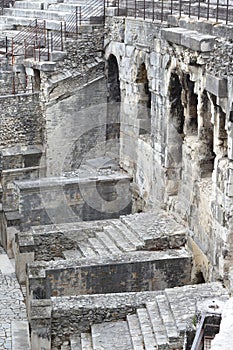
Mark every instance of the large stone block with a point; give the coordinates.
(198, 42)
(173, 35)
(216, 86)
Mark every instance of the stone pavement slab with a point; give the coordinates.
(12, 307)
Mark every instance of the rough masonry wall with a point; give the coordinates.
(175, 127)
(22, 122)
(75, 96)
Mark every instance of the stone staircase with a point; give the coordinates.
(145, 231)
(159, 325)
(22, 13)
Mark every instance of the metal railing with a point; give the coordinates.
(160, 9)
(207, 329)
(37, 42)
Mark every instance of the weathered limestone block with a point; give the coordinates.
(40, 322)
(216, 86)
(197, 42)
(174, 35)
(188, 38)
(20, 335)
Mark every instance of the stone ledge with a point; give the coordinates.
(188, 38)
(216, 86)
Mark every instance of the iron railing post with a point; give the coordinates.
(76, 20)
(126, 4)
(144, 9)
(6, 43)
(171, 7)
(208, 10)
(153, 10)
(34, 50)
(162, 11)
(45, 34)
(80, 15)
(61, 37)
(36, 28)
(217, 10)
(47, 41)
(12, 50)
(135, 8)
(227, 14)
(199, 9)
(190, 8)
(180, 8)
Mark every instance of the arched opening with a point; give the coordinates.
(175, 136)
(176, 107)
(191, 123)
(206, 137)
(144, 101)
(114, 99)
(37, 80)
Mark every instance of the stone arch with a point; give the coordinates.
(176, 106)
(206, 135)
(191, 102)
(144, 100)
(113, 98)
(175, 135)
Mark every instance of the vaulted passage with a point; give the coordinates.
(144, 101)
(114, 99)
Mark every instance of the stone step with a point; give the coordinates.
(130, 235)
(167, 318)
(157, 230)
(37, 5)
(67, 7)
(157, 324)
(99, 247)
(119, 239)
(8, 22)
(86, 341)
(87, 250)
(75, 342)
(108, 242)
(135, 332)
(20, 335)
(147, 329)
(39, 14)
(111, 335)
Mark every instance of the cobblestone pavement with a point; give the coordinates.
(12, 306)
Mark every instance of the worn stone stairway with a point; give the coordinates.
(128, 237)
(24, 12)
(145, 231)
(159, 325)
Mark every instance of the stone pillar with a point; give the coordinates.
(40, 321)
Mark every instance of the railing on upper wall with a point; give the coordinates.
(160, 9)
(37, 42)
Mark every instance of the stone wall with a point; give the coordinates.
(58, 200)
(22, 122)
(75, 97)
(141, 271)
(51, 319)
(176, 137)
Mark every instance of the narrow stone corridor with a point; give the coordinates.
(13, 320)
